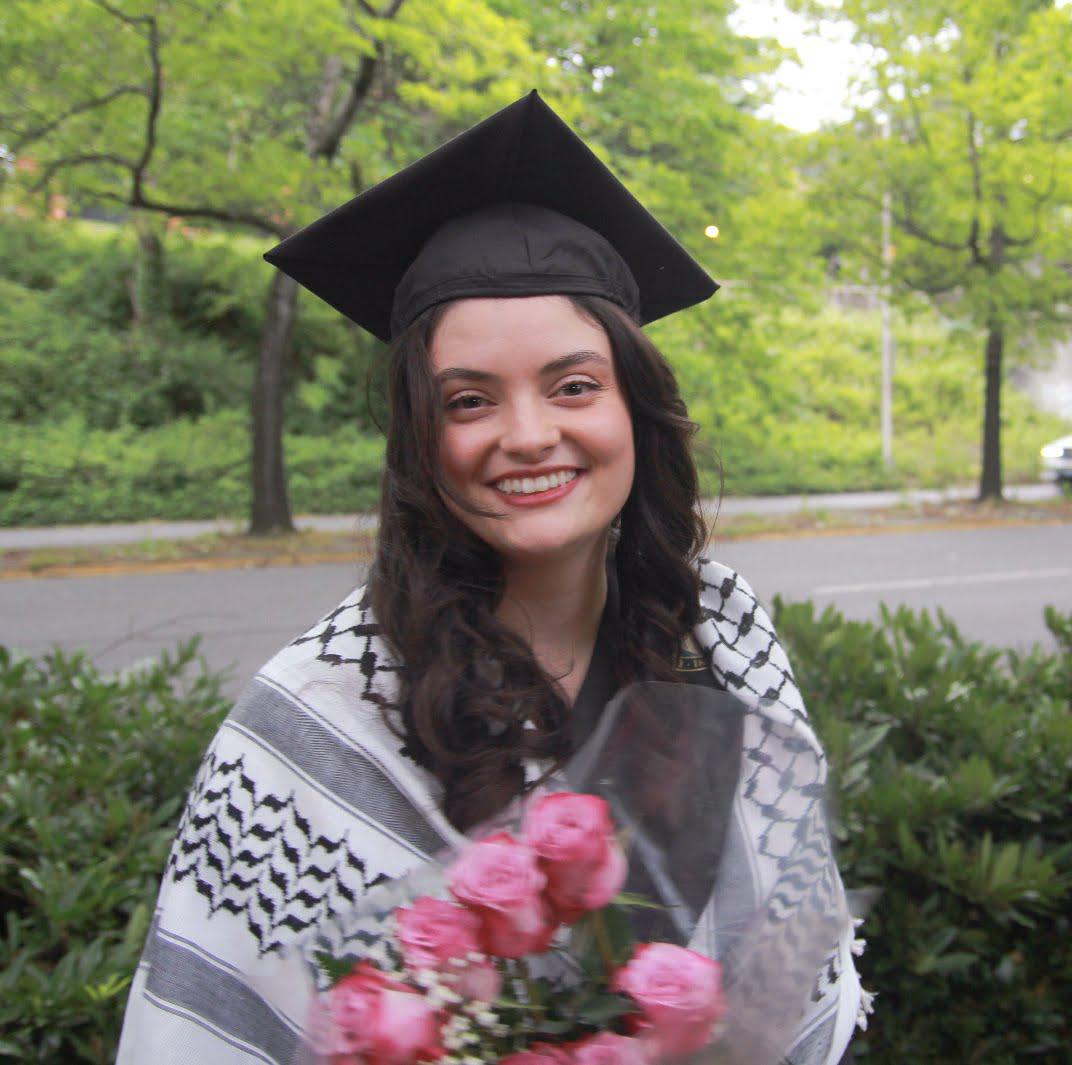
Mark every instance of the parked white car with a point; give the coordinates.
(1057, 461)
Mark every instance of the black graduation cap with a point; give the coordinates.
(517, 205)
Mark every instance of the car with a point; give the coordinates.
(1057, 462)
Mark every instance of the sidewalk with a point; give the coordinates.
(31, 537)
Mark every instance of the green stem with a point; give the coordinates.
(603, 944)
(530, 987)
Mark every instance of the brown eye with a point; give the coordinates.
(578, 388)
(467, 402)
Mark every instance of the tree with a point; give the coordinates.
(243, 114)
(968, 125)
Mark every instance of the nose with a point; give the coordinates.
(530, 431)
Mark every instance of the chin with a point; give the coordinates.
(549, 548)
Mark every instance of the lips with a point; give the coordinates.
(534, 491)
(534, 483)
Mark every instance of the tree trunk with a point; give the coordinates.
(271, 509)
(990, 481)
(148, 295)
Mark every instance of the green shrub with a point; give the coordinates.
(951, 765)
(57, 365)
(192, 468)
(95, 770)
(950, 760)
(785, 392)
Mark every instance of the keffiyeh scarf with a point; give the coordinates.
(304, 801)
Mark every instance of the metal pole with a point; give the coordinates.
(886, 405)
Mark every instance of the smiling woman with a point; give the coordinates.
(547, 446)
(538, 551)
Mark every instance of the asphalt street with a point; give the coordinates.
(992, 581)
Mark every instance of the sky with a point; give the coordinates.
(814, 89)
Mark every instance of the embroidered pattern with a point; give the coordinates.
(748, 658)
(252, 854)
(349, 636)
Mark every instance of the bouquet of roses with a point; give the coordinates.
(551, 936)
(529, 960)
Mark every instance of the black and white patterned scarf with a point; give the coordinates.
(304, 802)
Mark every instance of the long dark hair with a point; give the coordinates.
(469, 685)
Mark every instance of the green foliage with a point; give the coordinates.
(58, 363)
(66, 471)
(790, 402)
(95, 771)
(964, 138)
(950, 765)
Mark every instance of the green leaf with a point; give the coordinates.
(631, 899)
(334, 968)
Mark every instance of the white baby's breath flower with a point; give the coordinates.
(858, 946)
(426, 978)
(458, 1024)
(475, 956)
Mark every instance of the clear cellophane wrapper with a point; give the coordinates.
(719, 805)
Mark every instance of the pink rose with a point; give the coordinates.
(434, 933)
(574, 836)
(609, 1049)
(379, 1021)
(679, 993)
(499, 880)
(540, 1054)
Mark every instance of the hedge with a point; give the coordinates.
(951, 766)
(951, 763)
(95, 771)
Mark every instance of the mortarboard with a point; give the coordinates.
(517, 205)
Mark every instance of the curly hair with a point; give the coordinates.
(474, 704)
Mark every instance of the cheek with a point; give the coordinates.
(615, 446)
(459, 452)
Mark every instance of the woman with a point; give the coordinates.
(537, 550)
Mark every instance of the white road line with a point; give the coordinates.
(941, 582)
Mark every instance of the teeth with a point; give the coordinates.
(529, 485)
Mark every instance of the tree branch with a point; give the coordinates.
(917, 121)
(130, 20)
(155, 93)
(201, 211)
(326, 143)
(905, 221)
(1039, 200)
(31, 135)
(148, 27)
(77, 160)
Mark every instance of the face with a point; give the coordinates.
(536, 428)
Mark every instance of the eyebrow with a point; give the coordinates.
(563, 362)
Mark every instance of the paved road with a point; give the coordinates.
(45, 536)
(994, 582)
